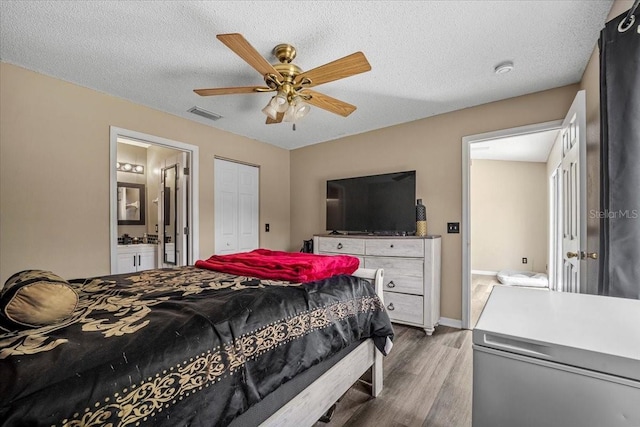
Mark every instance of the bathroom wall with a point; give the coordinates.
(135, 155)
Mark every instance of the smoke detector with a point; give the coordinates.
(503, 67)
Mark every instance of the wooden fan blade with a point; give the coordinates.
(350, 65)
(278, 119)
(237, 43)
(328, 103)
(231, 90)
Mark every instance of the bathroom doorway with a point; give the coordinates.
(165, 175)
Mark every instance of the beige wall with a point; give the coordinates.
(54, 216)
(508, 215)
(433, 147)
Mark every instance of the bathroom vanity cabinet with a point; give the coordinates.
(133, 258)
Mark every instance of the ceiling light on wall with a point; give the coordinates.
(129, 167)
(503, 67)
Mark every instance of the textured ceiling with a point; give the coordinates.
(427, 57)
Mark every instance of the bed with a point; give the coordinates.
(190, 346)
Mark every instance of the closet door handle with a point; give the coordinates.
(390, 307)
(339, 245)
(391, 284)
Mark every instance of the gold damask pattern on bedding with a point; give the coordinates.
(146, 399)
(105, 306)
(180, 346)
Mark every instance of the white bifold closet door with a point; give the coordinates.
(235, 207)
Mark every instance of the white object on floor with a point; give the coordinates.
(523, 278)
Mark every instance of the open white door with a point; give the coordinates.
(173, 232)
(573, 196)
(555, 232)
(182, 236)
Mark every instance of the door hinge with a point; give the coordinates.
(186, 230)
(185, 171)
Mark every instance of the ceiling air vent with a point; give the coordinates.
(204, 113)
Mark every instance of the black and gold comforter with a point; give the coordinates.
(180, 346)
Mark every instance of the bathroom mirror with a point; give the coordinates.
(131, 204)
(170, 177)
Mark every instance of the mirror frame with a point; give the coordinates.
(167, 197)
(142, 202)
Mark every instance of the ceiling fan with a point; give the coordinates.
(292, 85)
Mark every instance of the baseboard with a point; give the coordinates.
(452, 323)
(484, 272)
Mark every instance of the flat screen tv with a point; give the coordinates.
(376, 204)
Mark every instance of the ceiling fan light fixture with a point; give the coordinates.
(270, 110)
(279, 102)
(286, 79)
(290, 114)
(302, 109)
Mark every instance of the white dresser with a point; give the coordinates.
(411, 272)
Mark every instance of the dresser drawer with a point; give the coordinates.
(395, 247)
(404, 308)
(337, 245)
(400, 274)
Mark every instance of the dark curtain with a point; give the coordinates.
(620, 157)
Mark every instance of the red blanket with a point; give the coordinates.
(278, 265)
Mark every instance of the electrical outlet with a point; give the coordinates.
(266, 228)
(524, 260)
(453, 227)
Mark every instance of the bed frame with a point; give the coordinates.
(314, 401)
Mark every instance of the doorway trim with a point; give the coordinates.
(194, 212)
(466, 208)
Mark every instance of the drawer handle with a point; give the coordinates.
(339, 245)
(391, 284)
(390, 307)
(391, 245)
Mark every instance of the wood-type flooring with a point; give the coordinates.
(427, 382)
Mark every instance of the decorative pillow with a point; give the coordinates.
(34, 298)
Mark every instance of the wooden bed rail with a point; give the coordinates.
(308, 406)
